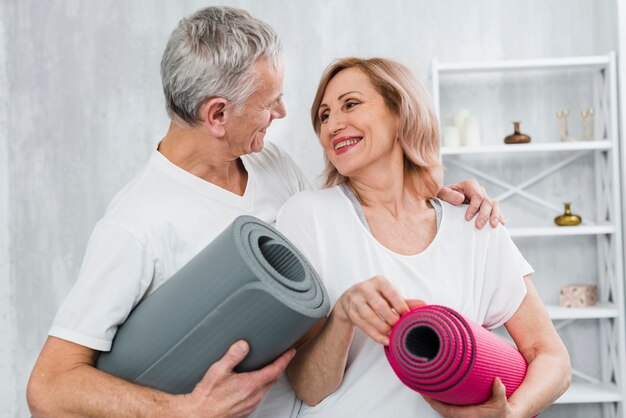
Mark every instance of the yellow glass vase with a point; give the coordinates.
(567, 219)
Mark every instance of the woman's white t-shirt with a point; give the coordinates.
(476, 272)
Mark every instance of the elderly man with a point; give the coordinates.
(222, 76)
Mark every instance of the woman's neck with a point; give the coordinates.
(397, 218)
(386, 193)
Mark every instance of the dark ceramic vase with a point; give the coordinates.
(517, 137)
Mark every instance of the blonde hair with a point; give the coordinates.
(407, 99)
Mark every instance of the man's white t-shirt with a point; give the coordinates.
(476, 272)
(154, 226)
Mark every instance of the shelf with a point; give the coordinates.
(558, 231)
(601, 310)
(516, 65)
(590, 393)
(536, 87)
(530, 147)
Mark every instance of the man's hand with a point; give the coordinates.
(470, 191)
(223, 393)
(65, 383)
(496, 407)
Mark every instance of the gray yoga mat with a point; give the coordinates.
(250, 283)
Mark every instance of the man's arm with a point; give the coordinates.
(65, 383)
(471, 192)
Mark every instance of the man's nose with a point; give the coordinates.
(279, 111)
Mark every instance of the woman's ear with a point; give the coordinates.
(213, 115)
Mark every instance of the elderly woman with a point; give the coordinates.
(381, 241)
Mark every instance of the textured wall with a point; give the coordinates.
(81, 107)
(8, 328)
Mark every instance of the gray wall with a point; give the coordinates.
(81, 108)
(8, 326)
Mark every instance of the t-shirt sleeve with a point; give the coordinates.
(297, 222)
(299, 181)
(504, 270)
(115, 274)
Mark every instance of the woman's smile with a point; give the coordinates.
(345, 143)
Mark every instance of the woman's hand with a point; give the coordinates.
(495, 407)
(374, 306)
(470, 191)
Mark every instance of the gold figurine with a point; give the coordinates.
(567, 219)
(561, 118)
(587, 117)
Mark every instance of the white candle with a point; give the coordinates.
(459, 118)
(471, 132)
(451, 136)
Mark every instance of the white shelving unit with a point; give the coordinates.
(555, 231)
(601, 310)
(591, 393)
(581, 80)
(548, 147)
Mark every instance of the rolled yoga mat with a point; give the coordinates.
(438, 352)
(249, 283)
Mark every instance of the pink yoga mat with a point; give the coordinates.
(438, 352)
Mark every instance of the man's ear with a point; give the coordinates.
(213, 114)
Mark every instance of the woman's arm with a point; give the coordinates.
(549, 371)
(318, 368)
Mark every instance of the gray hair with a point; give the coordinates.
(212, 54)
